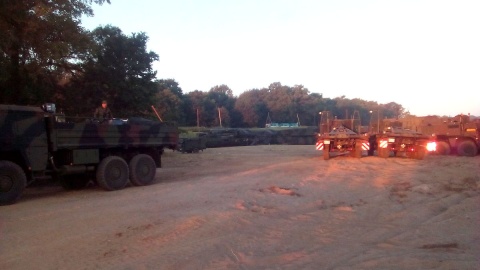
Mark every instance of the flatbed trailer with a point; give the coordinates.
(341, 136)
(342, 141)
(400, 142)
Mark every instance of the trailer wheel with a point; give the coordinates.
(443, 148)
(380, 152)
(12, 182)
(358, 150)
(410, 154)
(372, 140)
(326, 151)
(142, 170)
(467, 148)
(353, 152)
(383, 152)
(112, 173)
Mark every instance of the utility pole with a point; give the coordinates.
(198, 119)
(378, 121)
(219, 116)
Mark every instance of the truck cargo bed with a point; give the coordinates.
(125, 134)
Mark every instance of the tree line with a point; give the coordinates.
(47, 56)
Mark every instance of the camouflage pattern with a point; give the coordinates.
(296, 136)
(40, 144)
(122, 134)
(23, 137)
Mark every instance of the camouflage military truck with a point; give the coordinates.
(37, 143)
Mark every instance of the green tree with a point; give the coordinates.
(196, 99)
(221, 96)
(42, 41)
(394, 110)
(253, 109)
(119, 69)
(312, 105)
(170, 101)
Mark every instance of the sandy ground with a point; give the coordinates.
(260, 207)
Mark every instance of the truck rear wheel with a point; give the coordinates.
(12, 182)
(443, 148)
(142, 170)
(112, 173)
(467, 148)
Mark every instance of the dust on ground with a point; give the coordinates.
(257, 207)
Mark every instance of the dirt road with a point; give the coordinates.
(259, 207)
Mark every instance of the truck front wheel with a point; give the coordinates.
(142, 170)
(12, 182)
(112, 173)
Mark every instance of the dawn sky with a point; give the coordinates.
(422, 54)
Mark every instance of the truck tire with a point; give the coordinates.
(142, 170)
(467, 148)
(373, 145)
(326, 151)
(112, 173)
(12, 182)
(358, 150)
(443, 148)
(383, 152)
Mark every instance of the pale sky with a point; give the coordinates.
(422, 54)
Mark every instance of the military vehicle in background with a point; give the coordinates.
(295, 135)
(459, 135)
(401, 142)
(228, 137)
(37, 143)
(192, 143)
(341, 136)
(390, 137)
